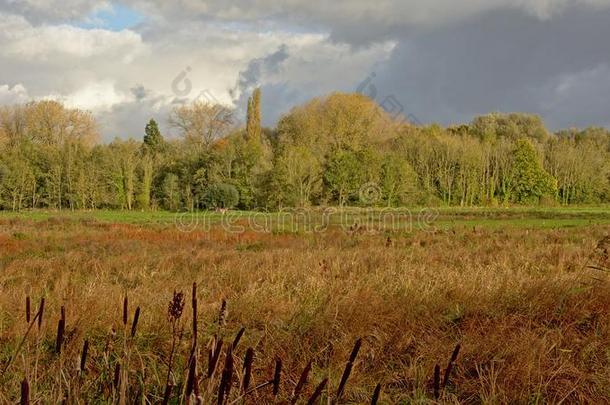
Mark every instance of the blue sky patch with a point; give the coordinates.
(118, 18)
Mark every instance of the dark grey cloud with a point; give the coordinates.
(252, 76)
(506, 61)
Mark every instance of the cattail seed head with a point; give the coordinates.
(40, 313)
(248, 360)
(25, 392)
(437, 381)
(60, 336)
(316, 394)
(134, 325)
(117, 375)
(27, 309)
(348, 369)
(376, 395)
(125, 305)
(277, 376)
(238, 338)
(227, 375)
(83, 358)
(301, 383)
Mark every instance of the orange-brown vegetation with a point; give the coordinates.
(529, 311)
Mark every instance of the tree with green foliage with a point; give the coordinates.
(342, 176)
(253, 119)
(530, 181)
(220, 196)
(322, 152)
(398, 181)
(153, 140)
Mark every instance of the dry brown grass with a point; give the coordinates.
(532, 320)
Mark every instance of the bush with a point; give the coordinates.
(220, 195)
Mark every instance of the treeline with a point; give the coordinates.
(342, 149)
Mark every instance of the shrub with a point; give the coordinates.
(220, 195)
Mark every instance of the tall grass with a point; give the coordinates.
(332, 317)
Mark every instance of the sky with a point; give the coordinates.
(443, 61)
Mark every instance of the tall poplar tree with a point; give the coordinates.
(253, 124)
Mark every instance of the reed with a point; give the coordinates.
(25, 392)
(376, 395)
(40, 313)
(348, 370)
(27, 309)
(134, 324)
(300, 384)
(450, 364)
(59, 340)
(83, 358)
(318, 392)
(224, 389)
(238, 337)
(125, 309)
(248, 360)
(437, 382)
(277, 376)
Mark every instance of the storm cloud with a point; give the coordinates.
(442, 60)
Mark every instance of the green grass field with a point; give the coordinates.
(433, 218)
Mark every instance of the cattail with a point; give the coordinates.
(348, 369)
(63, 314)
(117, 375)
(214, 354)
(194, 306)
(125, 305)
(452, 360)
(238, 338)
(192, 376)
(222, 314)
(225, 381)
(316, 394)
(83, 358)
(25, 392)
(27, 309)
(60, 336)
(300, 384)
(40, 313)
(248, 360)
(194, 295)
(277, 376)
(437, 381)
(134, 325)
(376, 395)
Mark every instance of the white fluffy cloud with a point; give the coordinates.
(53, 10)
(13, 95)
(22, 40)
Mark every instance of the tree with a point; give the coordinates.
(220, 196)
(529, 179)
(253, 120)
(153, 140)
(201, 124)
(342, 176)
(398, 181)
(171, 192)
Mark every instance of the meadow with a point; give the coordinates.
(451, 306)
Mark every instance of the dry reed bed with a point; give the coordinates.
(531, 318)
